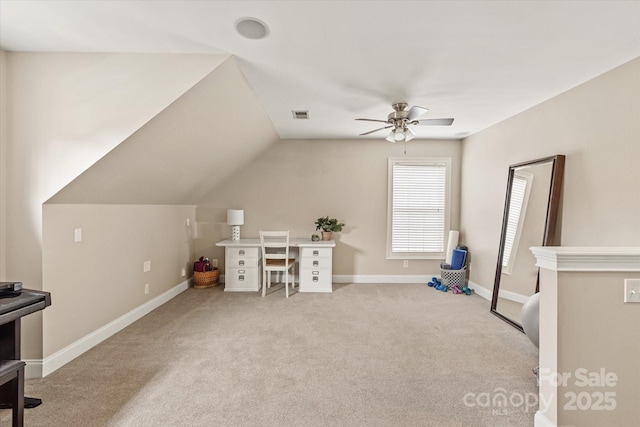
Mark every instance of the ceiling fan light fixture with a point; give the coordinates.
(400, 120)
(399, 135)
(392, 136)
(409, 134)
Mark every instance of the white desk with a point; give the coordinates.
(242, 264)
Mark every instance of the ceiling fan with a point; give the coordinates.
(400, 120)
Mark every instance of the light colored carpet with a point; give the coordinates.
(364, 355)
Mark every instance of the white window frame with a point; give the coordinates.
(514, 225)
(417, 161)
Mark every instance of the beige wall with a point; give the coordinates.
(186, 149)
(298, 181)
(585, 325)
(64, 112)
(596, 331)
(101, 278)
(597, 126)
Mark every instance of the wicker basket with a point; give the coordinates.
(205, 279)
(454, 277)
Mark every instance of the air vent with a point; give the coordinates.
(300, 114)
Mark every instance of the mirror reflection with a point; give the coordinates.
(530, 214)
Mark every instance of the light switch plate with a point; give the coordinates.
(632, 290)
(77, 235)
(146, 266)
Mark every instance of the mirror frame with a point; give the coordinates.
(550, 236)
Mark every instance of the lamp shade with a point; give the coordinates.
(235, 216)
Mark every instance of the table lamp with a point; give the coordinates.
(235, 218)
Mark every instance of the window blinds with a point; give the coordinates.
(418, 211)
(518, 191)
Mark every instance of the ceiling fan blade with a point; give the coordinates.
(433, 122)
(376, 130)
(415, 112)
(374, 120)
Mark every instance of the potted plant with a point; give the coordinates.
(328, 225)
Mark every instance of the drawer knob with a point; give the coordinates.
(241, 277)
(315, 278)
(315, 273)
(316, 253)
(241, 252)
(316, 263)
(241, 262)
(240, 271)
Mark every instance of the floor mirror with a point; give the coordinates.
(530, 219)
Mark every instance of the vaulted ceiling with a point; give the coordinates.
(479, 62)
(184, 151)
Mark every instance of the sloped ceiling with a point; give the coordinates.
(215, 128)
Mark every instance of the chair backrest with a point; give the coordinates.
(275, 244)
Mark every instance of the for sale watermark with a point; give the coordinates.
(596, 388)
(595, 393)
(499, 400)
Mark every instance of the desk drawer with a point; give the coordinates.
(241, 279)
(315, 262)
(236, 252)
(233, 262)
(315, 252)
(315, 280)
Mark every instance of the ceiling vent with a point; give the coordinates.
(300, 114)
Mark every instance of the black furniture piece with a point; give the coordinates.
(12, 376)
(12, 309)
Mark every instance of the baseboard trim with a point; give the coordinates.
(41, 368)
(382, 278)
(481, 290)
(513, 296)
(375, 278)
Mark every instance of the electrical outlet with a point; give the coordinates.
(146, 288)
(183, 272)
(214, 262)
(405, 263)
(632, 290)
(146, 266)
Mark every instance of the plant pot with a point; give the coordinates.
(326, 235)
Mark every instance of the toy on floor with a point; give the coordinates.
(437, 284)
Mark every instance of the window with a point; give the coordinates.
(520, 188)
(418, 207)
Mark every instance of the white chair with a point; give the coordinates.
(275, 257)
